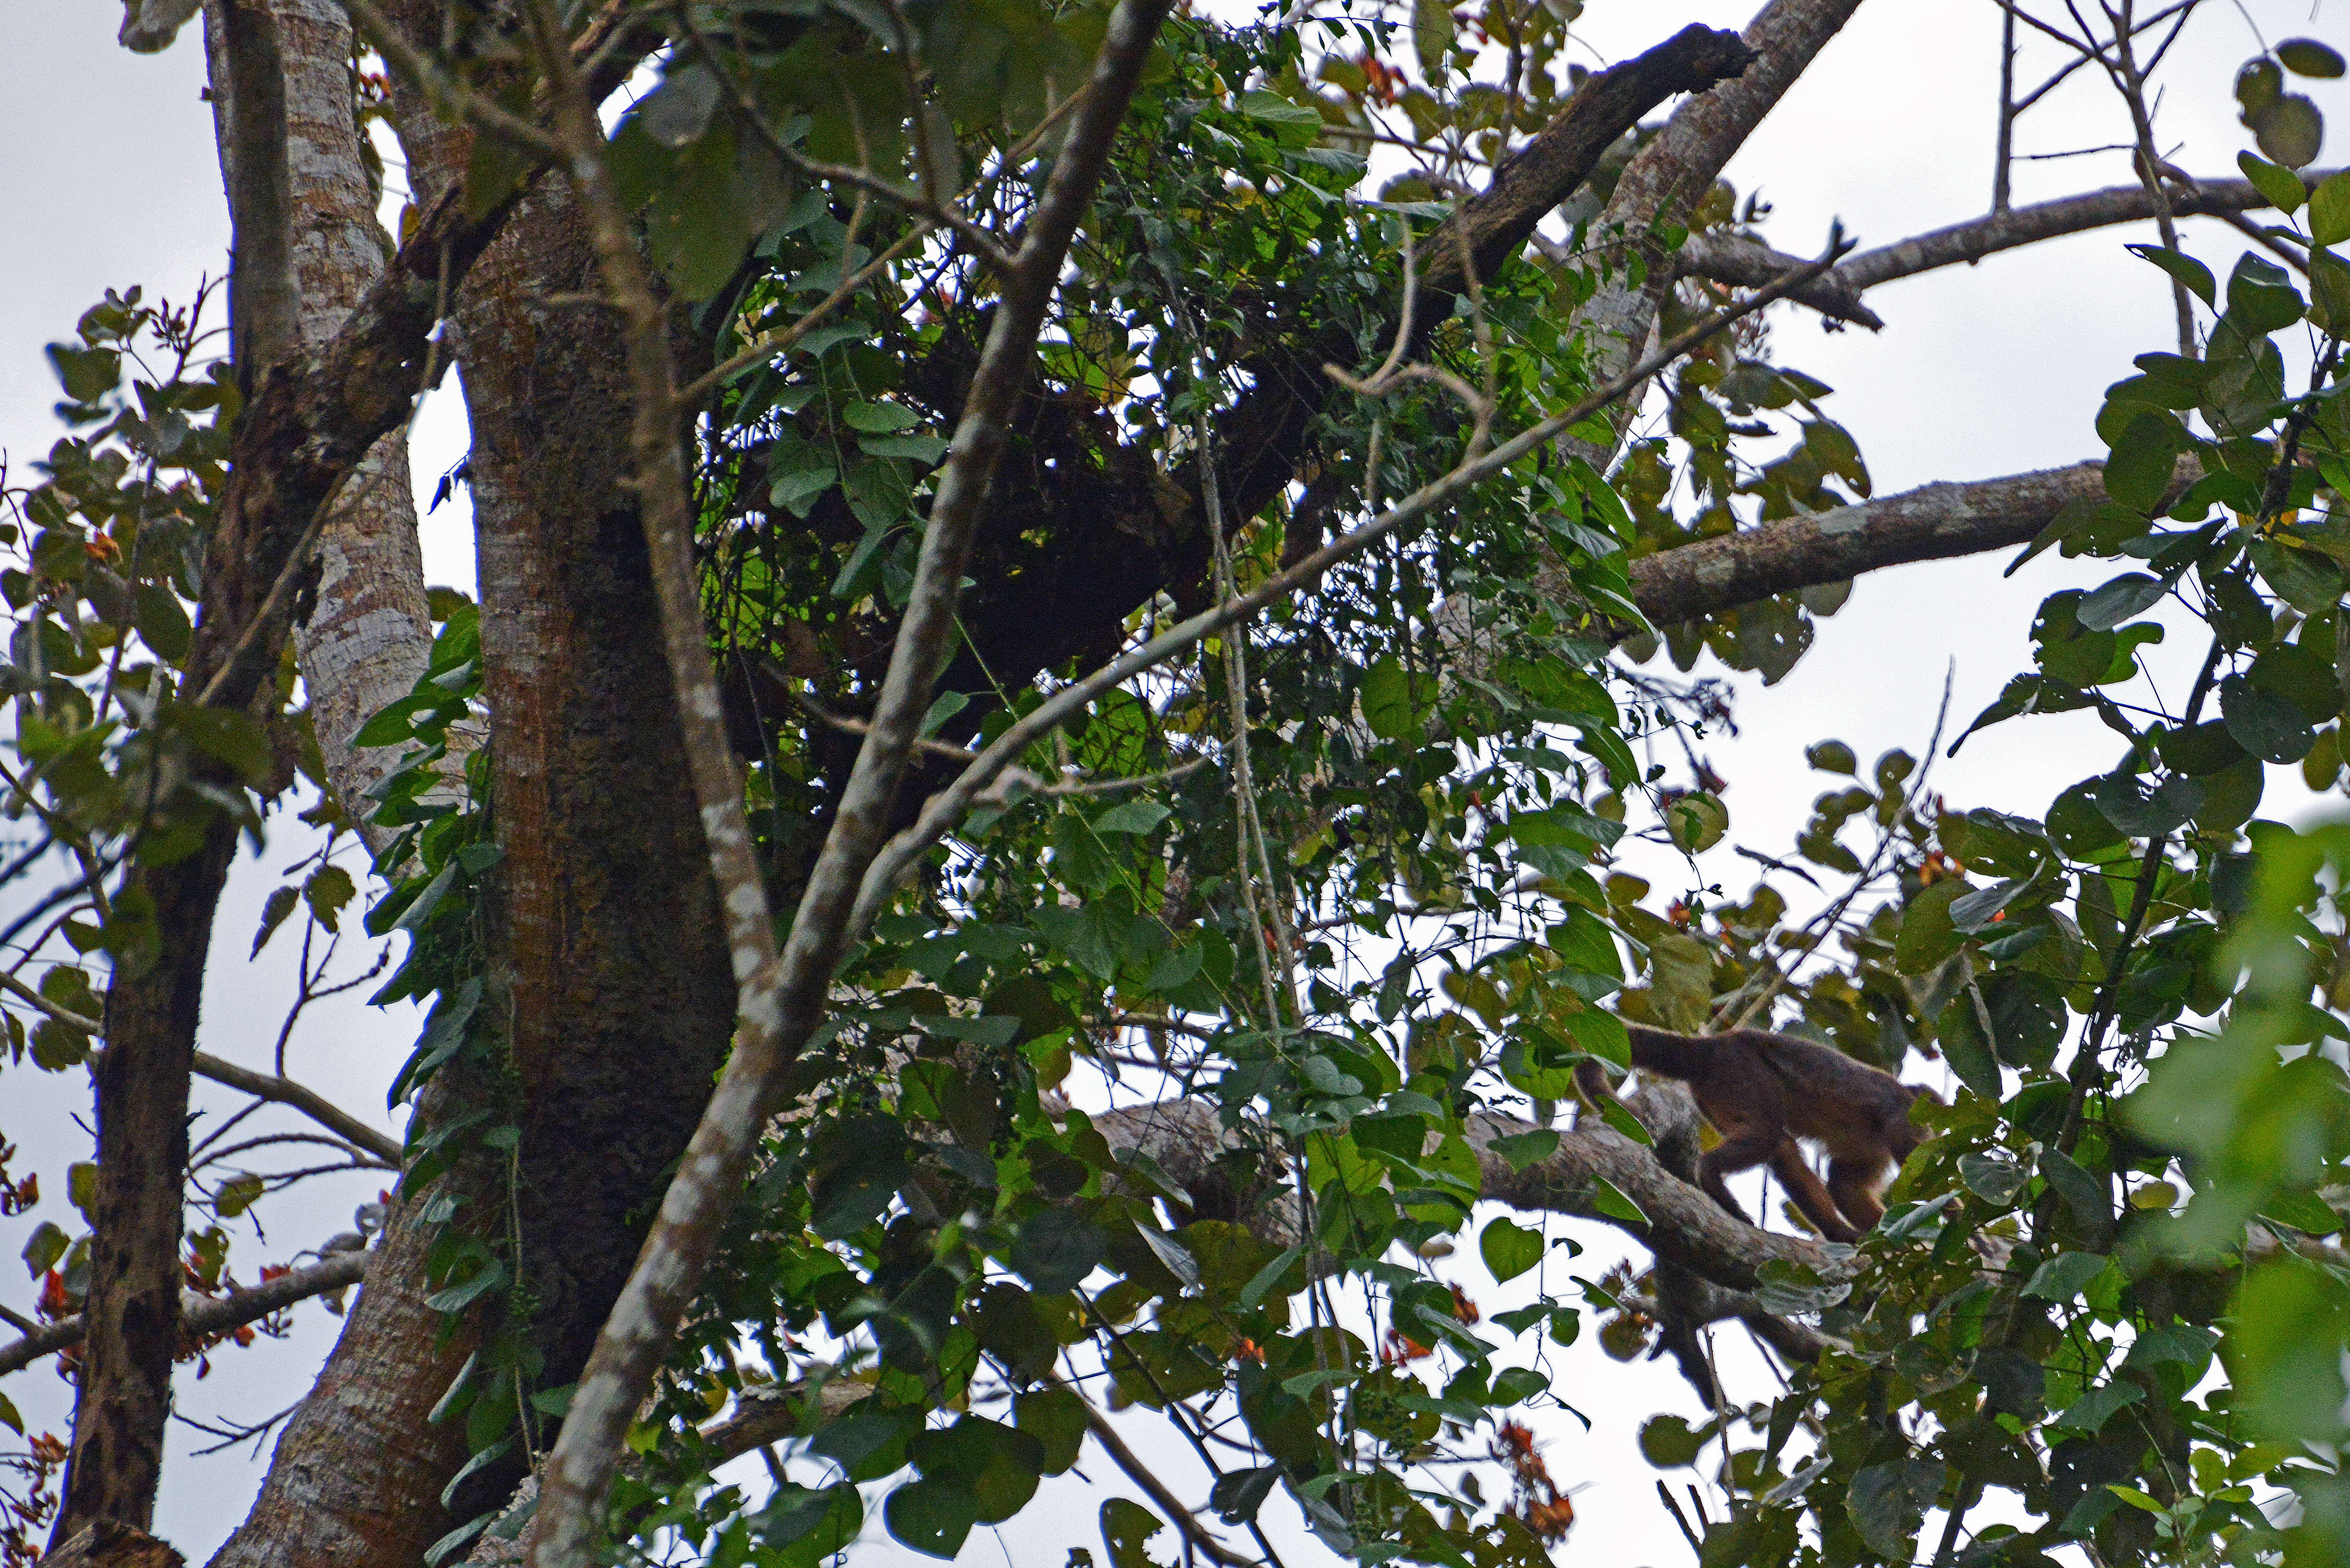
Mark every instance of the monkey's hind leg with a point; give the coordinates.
(1803, 1184)
(1741, 1148)
(1855, 1184)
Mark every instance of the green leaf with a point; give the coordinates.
(1056, 1250)
(1238, 1494)
(1126, 1529)
(327, 891)
(2092, 1409)
(2290, 131)
(2284, 1350)
(86, 374)
(1524, 1149)
(2329, 210)
(932, 1516)
(9, 1417)
(2269, 726)
(1132, 817)
(2183, 268)
(235, 1197)
(920, 448)
(1831, 757)
(1927, 934)
(1607, 1200)
(2138, 471)
(1510, 1249)
(1396, 703)
(274, 910)
(1275, 109)
(42, 1249)
(1432, 33)
(2308, 57)
(1055, 1417)
(1888, 1502)
(879, 419)
(2065, 1276)
(2261, 295)
(2119, 600)
(1670, 1442)
(2283, 187)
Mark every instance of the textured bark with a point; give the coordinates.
(107, 1544)
(609, 971)
(124, 1399)
(201, 1316)
(356, 1476)
(1722, 257)
(1666, 178)
(1686, 1227)
(1529, 186)
(1931, 523)
(607, 951)
(367, 640)
(1972, 240)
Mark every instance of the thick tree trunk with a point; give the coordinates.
(357, 1476)
(607, 950)
(609, 964)
(133, 1306)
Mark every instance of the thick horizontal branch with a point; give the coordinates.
(1184, 1139)
(202, 1316)
(1931, 523)
(1721, 258)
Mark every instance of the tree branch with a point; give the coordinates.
(202, 1316)
(1680, 165)
(1974, 240)
(1532, 183)
(1724, 257)
(1931, 523)
(308, 1101)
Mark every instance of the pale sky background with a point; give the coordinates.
(1980, 371)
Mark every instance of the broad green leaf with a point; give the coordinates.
(2183, 268)
(2308, 57)
(2329, 210)
(2269, 726)
(1127, 1528)
(1510, 1249)
(2283, 187)
(1056, 1250)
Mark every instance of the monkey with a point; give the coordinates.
(1763, 1091)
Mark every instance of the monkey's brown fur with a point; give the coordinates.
(1763, 1091)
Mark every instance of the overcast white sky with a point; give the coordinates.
(1980, 371)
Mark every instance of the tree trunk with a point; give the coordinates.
(367, 640)
(609, 965)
